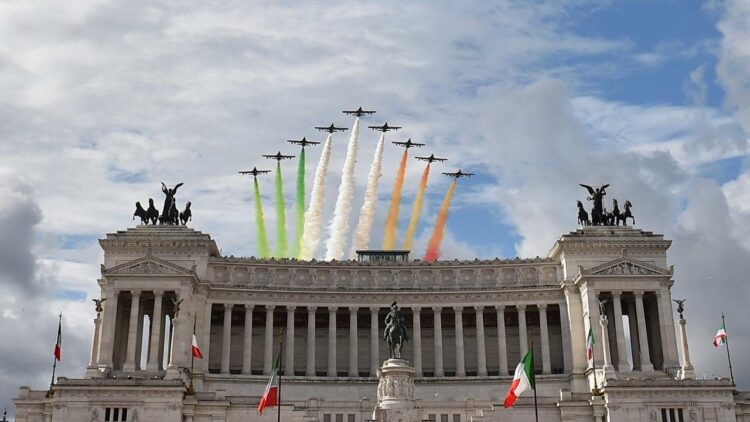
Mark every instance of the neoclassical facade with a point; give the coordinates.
(470, 323)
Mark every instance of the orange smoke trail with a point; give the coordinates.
(416, 209)
(391, 223)
(433, 247)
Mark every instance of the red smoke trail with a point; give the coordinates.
(391, 223)
(433, 247)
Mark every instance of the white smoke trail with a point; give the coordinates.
(367, 214)
(340, 222)
(313, 215)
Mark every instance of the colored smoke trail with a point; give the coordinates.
(261, 225)
(340, 222)
(367, 213)
(391, 222)
(299, 205)
(433, 247)
(314, 213)
(281, 244)
(416, 209)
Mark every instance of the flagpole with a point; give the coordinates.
(595, 391)
(533, 374)
(191, 390)
(278, 374)
(726, 339)
(54, 357)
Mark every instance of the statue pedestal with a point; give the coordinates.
(396, 401)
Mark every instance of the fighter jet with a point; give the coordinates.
(459, 174)
(255, 172)
(358, 112)
(408, 144)
(384, 128)
(278, 156)
(331, 129)
(431, 158)
(304, 142)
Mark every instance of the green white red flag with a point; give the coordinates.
(590, 341)
(721, 336)
(271, 396)
(522, 380)
(196, 350)
(58, 343)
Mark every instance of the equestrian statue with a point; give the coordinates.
(395, 331)
(599, 214)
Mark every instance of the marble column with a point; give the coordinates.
(353, 351)
(565, 331)
(95, 343)
(438, 339)
(502, 346)
(546, 365)
(374, 342)
(268, 344)
(247, 347)
(206, 345)
(226, 338)
(671, 358)
(522, 334)
(459, 322)
(310, 363)
(106, 348)
(289, 354)
(130, 363)
(331, 342)
(154, 364)
(481, 349)
(646, 365)
(417, 340)
(607, 365)
(686, 371)
(622, 356)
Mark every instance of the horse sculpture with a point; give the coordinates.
(140, 213)
(186, 215)
(583, 216)
(152, 214)
(395, 332)
(625, 215)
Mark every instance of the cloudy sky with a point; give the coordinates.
(103, 100)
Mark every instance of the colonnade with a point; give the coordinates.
(229, 329)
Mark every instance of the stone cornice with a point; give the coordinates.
(626, 267)
(159, 238)
(604, 239)
(148, 265)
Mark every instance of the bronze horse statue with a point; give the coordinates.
(395, 332)
(583, 216)
(625, 215)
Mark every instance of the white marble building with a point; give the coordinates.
(470, 322)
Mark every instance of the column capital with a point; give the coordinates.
(228, 306)
(158, 293)
(290, 308)
(416, 309)
(332, 309)
(638, 293)
(521, 307)
(135, 293)
(437, 309)
(500, 308)
(353, 309)
(458, 309)
(617, 293)
(249, 307)
(374, 310)
(269, 308)
(479, 308)
(311, 309)
(541, 306)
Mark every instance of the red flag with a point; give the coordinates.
(196, 350)
(58, 344)
(271, 395)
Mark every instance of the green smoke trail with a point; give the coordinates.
(261, 229)
(299, 206)
(281, 244)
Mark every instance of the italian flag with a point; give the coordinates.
(271, 396)
(522, 380)
(196, 350)
(58, 343)
(721, 336)
(590, 341)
